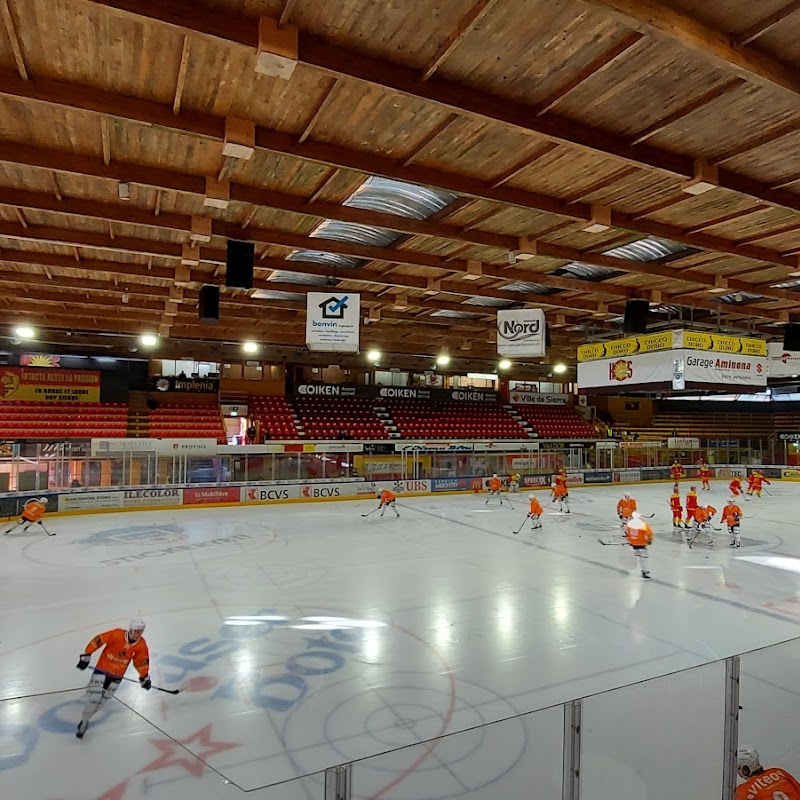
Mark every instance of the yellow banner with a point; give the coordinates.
(666, 340)
(616, 348)
(49, 385)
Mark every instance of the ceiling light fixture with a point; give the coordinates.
(504, 364)
(374, 356)
(249, 347)
(24, 332)
(559, 369)
(443, 360)
(148, 340)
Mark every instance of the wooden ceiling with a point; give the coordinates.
(539, 117)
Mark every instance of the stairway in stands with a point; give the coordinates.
(385, 416)
(530, 431)
(138, 416)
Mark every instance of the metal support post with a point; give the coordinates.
(732, 667)
(571, 784)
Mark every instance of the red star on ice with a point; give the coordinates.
(194, 766)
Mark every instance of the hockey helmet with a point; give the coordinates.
(747, 761)
(44, 501)
(135, 629)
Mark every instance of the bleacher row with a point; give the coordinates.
(312, 418)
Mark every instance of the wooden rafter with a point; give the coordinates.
(465, 25)
(324, 102)
(105, 137)
(593, 68)
(286, 13)
(650, 15)
(787, 129)
(513, 172)
(180, 81)
(13, 37)
(426, 140)
(764, 25)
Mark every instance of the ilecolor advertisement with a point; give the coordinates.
(49, 385)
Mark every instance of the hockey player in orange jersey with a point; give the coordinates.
(120, 647)
(677, 508)
(560, 496)
(760, 783)
(387, 498)
(691, 504)
(703, 522)
(625, 508)
(495, 489)
(32, 513)
(732, 516)
(535, 512)
(705, 476)
(639, 536)
(735, 487)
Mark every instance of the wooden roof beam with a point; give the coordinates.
(649, 15)
(764, 25)
(13, 38)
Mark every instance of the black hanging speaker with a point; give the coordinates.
(209, 304)
(547, 340)
(636, 313)
(239, 264)
(791, 337)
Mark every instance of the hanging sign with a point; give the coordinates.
(521, 332)
(332, 322)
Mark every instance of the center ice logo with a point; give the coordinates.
(135, 534)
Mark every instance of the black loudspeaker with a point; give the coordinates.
(209, 304)
(791, 337)
(239, 264)
(547, 341)
(636, 313)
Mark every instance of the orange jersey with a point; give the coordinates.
(676, 471)
(626, 507)
(639, 536)
(536, 508)
(691, 501)
(33, 511)
(387, 497)
(561, 479)
(495, 484)
(118, 653)
(559, 490)
(732, 514)
(769, 784)
(704, 514)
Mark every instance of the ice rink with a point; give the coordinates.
(304, 636)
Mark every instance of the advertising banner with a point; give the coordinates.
(268, 493)
(174, 383)
(598, 476)
(507, 447)
(395, 392)
(85, 501)
(455, 484)
(790, 473)
(39, 360)
(162, 447)
(521, 332)
(211, 494)
(683, 443)
(730, 472)
(49, 385)
(629, 346)
(720, 343)
(628, 371)
(151, 497)
(523, 463)
(789, 436)
(402, 447)
(782, 363)
(627, 475)
(737, 370)
(332, 322)
(535, 480)
(538, 399)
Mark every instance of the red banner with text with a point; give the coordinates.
(49, 385)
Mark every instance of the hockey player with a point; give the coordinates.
(535, 512)
(387, 499)
(757, 483)
(676, 470)
(771, 783)
(732, 516)
(735, 487)
(513, 482)
(639, 536)
(705, 477)
(32, 513)
(625, 508)
(703, 518)
(495, 489)
(120, 648)
(561, 477)
(560, 495)
(691, 504)
(677, 508)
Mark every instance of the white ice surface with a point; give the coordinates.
(462, 624)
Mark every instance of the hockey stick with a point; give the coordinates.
(602, 541)
(45, 530)
(371, 512)
(521, 526)
(157, 688)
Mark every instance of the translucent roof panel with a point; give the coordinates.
(739, 297)
(493, 302)
(329, 259)
(650, 249)
(285, 276)
(446, 312)
(352, 232)
(528, 286)
(586, 271)
(269, 294)
(788, 285)
(399, 198)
